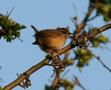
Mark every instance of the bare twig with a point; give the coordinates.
(57, 78)
(100, 30)
(66, 56)
(23, 76)
(8, 14)
(85, 20)
(92, 18)
(75, 18)
(46, 61)
(20, 39)
(104, 65)
(65, 73)
(79, 84)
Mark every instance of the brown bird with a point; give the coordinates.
(50, 39)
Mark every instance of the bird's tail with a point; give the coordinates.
(34, 28)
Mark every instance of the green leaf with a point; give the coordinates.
(83, 56)
(11, 28)
(103, 8)
(100, 39)
(106, 12)
(1, 88)
(47, 87)
(103, 39)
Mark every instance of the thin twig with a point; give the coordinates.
(8, 14)
(57, 78)
(100, 30)
(79, 84)
(104, 65)
(92, 18)
(46, 61)
(66, 56)
(85, 20)
(75, 18)
(65, 73)
(20, 39)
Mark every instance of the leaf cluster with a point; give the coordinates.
(83, 56)
(100, 39)
(9, 29)
(103, 7)
(1, 88)
(66, 84)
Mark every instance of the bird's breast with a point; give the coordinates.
(54, 42)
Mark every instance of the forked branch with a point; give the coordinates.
(45, 62)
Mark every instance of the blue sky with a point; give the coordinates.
(16, 57)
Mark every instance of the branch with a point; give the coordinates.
(104, 65)
(8, 14)
(33, 69)
(75, 18)
(78, 83)
(92, 18)
(100, 30)
(57, 78)
(25, 74)
(45, 62)
(85, 20)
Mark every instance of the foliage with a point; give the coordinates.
(100, 39)
(66, 84)
(83, 56)
(1, 88)
(47, 87)
(9, 29)
(103, 8)
(69, 61)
